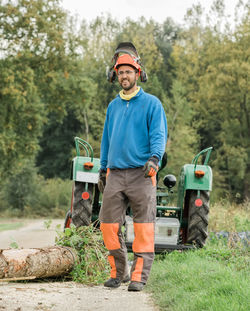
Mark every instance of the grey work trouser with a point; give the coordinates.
(123, 186)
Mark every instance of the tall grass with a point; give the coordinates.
(231, 217)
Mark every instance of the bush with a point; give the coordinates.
(21, 189)
(28, 194)
(54, 197)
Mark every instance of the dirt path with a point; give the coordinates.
(70, 296)
(32, 234)
(61, 296)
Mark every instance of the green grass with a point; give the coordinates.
(215, 278)
(10, 226)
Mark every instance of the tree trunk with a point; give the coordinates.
(36, 262)
(86, 124)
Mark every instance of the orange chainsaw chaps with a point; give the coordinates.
(144, 238)
(111, 260)
(136, 275)
(110, 235)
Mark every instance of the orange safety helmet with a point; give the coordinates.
(127, 59)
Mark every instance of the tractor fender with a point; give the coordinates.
(189, 181)
(81, 173)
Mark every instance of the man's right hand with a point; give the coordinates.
(102, 180)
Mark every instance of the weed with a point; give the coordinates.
(92, 266)
(14, 244)
(47, 223)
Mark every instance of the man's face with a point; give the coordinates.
(127, 77)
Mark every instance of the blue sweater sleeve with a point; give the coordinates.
(158, 131)
(105, 144)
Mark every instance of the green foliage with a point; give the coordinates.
(231, 253)
(241, 224)
(47, 223)
(182, 136)
(54, 198)
(14, 245)
(213, 67)
(92, 267)
(21, 189)
(27, 194)
(55, 156)
(21, 117)
(26, 25)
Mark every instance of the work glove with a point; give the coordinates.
(102, 180)
(151, 167)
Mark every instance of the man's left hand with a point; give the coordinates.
(102, 180)
(151, 167)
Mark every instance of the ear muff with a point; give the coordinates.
(111, 75)
(144, 76)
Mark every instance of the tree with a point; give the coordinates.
(183, 140)
(21, 118)
(213, 67)
(77, 93)
(32, 48)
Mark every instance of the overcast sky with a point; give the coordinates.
(159, 10)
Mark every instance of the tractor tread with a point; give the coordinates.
(198, 219)
(82, 210)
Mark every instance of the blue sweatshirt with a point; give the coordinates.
(134, 131)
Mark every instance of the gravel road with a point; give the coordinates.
(61, 296)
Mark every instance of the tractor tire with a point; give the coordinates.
(197, 231)
(82, 209)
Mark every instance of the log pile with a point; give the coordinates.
(23, 264)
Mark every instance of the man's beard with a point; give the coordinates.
(130, 84)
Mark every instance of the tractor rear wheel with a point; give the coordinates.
(82, 208)
(197, 231)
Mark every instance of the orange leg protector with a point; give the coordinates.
(143, 243)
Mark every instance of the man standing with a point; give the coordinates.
(133, 142)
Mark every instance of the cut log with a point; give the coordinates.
(36, 262)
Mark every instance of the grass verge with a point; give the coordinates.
(214, 278)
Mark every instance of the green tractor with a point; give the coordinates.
(177, 227)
